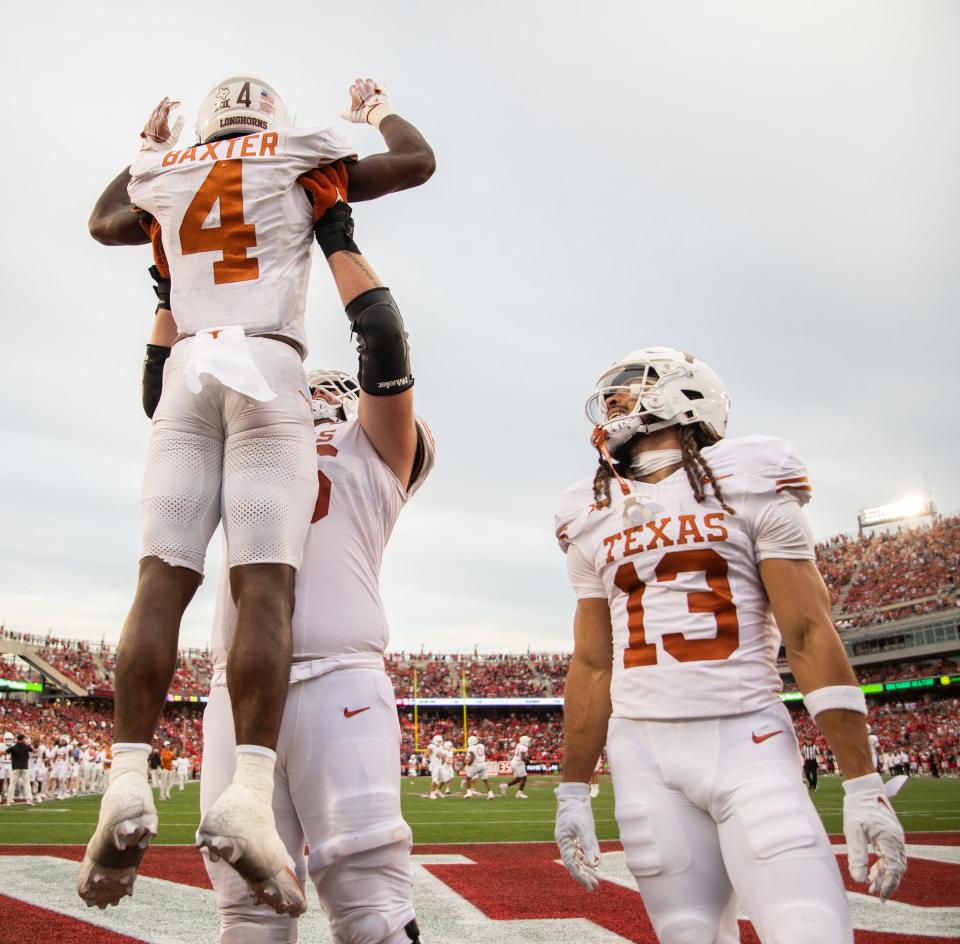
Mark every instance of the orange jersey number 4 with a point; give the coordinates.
(233, 237)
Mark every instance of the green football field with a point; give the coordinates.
(924, 805)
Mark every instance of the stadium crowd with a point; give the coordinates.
(872, 579)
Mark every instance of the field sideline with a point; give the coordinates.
(924, 805)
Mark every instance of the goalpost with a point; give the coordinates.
(416, 711)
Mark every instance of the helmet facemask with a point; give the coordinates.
(335, 396)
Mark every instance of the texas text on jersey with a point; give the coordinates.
(688, 610)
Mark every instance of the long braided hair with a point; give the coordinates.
(693, 438)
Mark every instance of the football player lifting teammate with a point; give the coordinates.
(681, 550)
(232, 220)
(336, 786)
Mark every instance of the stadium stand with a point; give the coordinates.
(880, 588)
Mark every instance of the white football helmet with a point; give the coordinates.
(336, 395)
(241, 104)
(668, 387)
(8, 738)
(437, 739)
(473, 741)
(448, 745)
(525, 740)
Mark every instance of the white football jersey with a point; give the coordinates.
(434, 754)
(236, 228)
(520, 752)
(693, 633)
(338, 606)
(479, 754)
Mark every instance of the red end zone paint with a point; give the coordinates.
(508, 881)
(23, 922)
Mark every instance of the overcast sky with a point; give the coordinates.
(772, 186)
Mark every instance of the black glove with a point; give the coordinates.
(162, 287)
(334, 230)
(152, 384)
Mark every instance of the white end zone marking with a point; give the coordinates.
(868, 912)
(443, 915)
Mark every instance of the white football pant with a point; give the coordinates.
(215, 452)
(337, 789)
(714, 806)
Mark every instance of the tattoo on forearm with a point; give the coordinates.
(359, 263)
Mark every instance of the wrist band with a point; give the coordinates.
(376, 114)
(845, 697)
(868, 783)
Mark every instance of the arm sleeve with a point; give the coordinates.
(583, 576)
(783, 531)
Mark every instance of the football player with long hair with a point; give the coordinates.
(682, 549)
(231, 220)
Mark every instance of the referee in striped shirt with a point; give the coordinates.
(810, 767)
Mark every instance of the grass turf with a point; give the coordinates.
(924, 805)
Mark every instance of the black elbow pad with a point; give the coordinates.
(152, 384)
(381, 343)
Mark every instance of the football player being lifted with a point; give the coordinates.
(336, 785)
(476, 769)
(682, 549)
(232, 221)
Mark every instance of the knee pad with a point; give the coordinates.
(362, 824)
(687, 929)
(362, 872)
(810, 921)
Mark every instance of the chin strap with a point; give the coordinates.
(599, 439)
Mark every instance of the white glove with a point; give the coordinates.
(869, 824)
(576, 835)
(368, 103)
(157, 135)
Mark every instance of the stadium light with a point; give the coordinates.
(916, 506)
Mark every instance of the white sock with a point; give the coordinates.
(254, 770)
(130, 758)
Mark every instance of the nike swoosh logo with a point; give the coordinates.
(760, 738)
(347, 713)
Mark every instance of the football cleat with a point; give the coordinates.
(490, 795)
(468, 794)
(521, 795)
(127, 823)
(503, 789)
(240, 829)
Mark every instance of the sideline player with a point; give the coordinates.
(233, 424)
(518, 764)
(435, 765)
(595, 777)
(677, 577)
(166, 771)
(340, 727)
(476, 768)
(446, 767)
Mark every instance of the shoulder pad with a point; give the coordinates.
(763, 464)
(575, 504)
